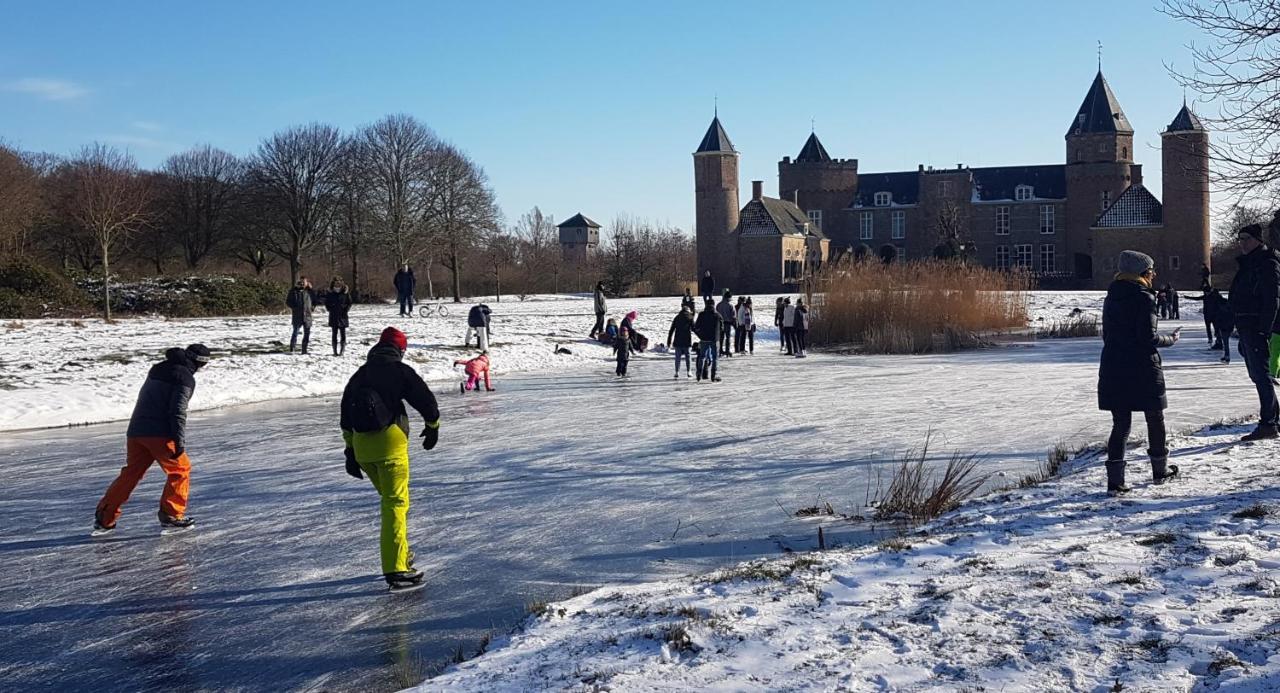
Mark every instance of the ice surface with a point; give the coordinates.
(558, 479)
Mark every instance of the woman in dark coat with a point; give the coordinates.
(338, 303)
(1131, 377)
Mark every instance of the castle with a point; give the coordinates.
(1065, 222)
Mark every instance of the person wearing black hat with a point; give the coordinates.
(158, 433)
(1131, 375)
(1254, 298)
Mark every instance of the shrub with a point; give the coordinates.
(918, 494)
(917, 307)
(29, 290)
(194, 296)
(1077, 326)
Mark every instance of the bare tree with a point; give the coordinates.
(109, 200)
(538, 249)
(500, 254)
(461, 209)
(397, 154)
(20, 201)
(1238, 69)
(200, 191)
(294, 174)
(355, 217)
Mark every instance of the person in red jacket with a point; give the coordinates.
(475, 369)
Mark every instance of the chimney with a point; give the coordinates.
(757, 189)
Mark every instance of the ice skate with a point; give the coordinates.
(405, 581)
(175, 525)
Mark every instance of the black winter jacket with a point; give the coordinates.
(395, 382)
(405, 283)
(478, 316)
(301, 301)
(622, 348)
(161, 410)
(708, 285)
(1255, 291)
(339, 306)
(707, 326)
(680, 336)
(687, 302)
(1131, 375)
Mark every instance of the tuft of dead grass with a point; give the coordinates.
(917, 307)
(1071, 328)
(919, 493)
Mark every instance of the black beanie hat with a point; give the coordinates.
(1254, 230)
(198, 353)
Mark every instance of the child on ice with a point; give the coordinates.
(475, 369)
(622, 348)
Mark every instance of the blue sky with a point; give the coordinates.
(594, 106)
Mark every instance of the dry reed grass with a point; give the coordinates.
(916, 307)
(919, 494)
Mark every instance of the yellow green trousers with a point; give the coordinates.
(1273, 355)
(384, 458)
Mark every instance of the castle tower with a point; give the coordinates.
(823, 187)
(579, 236)
(1184, 149)
(1099, 166)
(715, 180)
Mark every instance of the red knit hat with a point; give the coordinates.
(395, 338)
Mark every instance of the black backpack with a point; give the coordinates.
(366, 412)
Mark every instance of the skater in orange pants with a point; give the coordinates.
(157, 433)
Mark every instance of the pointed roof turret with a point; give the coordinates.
(813, 150)
(1185, 120)
(716, 139)
(577, 221)
(1100, 112)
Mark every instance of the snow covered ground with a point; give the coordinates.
(1055, 587)
(59, 372)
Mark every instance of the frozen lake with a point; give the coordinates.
(554, 482)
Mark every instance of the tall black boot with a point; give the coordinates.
(1161, 470)
(1115, 478)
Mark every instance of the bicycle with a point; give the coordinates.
(427, 310)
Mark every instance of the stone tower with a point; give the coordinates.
(579, 236)
(1184, 149)
(1099, 166)
(715, 180)
(822, 187)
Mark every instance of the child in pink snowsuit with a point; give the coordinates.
(475, 369)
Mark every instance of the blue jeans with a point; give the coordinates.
(1253, 347)
(306, 337)
(682, 351)
(406, 304)
(706, 359)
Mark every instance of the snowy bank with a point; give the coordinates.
(1055, 587)
(60, 372)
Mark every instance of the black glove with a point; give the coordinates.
(430, 436)
(352, 467)
(178, 451)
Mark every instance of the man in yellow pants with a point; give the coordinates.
(375, 427)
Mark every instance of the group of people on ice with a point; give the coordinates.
(1131, 373)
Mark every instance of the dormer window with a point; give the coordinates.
(882, 199)
(1024, 192)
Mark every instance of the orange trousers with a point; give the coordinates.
(140, 453)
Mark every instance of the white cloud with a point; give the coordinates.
(136, 141)
(148, 125)
(48, 89)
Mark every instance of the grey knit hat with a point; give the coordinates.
(1133, 262)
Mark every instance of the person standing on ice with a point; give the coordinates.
(777, 322)
(601, 308)
(301, 301)
(680, 337)
(708, 286)
(750, 326)
(158, 433)
(788, 326)
(405, 284)
(707, 327)
(622, 350)
(800, 329)
(338, 304)
(375, 429)
(687, 302)
(475, 369)
(1131, 375)
(727, 316)
(1254, 298)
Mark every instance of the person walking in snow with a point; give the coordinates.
(727, 316)
(600, 308)
(680, 337)
(1212, 299)
(788, 326)
(405, 284)
(1172, 294)
(375, 429)
(478, 324)
(301, 301)
(338, 304)
(157, 433)
(777, 322)
(475, 369)
(1254, 298)
(707, 327)
(622, 349)
(800, 329)
(1131, 374)
(708, 286)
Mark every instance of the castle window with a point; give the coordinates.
(1102, 147)
(1124, 153)
(944, 188)
(902, 254)
(1002, 221)
(1105, 199)
(1002, 257)
(1046, 219)
(1175, 262)
(815, 216)
(1024, 192)
(1047, 257)
(882, 199)
(1022, 256)
(899, 227)
(865, 226)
